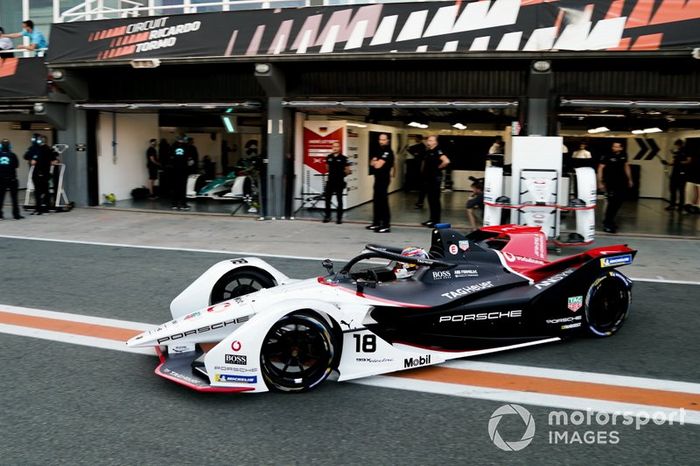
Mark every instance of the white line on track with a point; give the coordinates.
(85, 319)
(427, 386)
(577, 376)
(528, 398)
(73, 339)
(260, 254)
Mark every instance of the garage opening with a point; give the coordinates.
(466, 130)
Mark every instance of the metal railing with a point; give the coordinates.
(96, 9)
(27, 53)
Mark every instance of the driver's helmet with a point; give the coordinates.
(404, 270)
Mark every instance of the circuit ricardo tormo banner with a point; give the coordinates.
(23, 77)
(478, 26)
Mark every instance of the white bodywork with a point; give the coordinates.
(239, 326)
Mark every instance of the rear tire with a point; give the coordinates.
(239, 283)
(297, 353)
(607, 304)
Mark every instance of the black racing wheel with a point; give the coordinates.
(239, 283)
(607, 304)
(297, 353)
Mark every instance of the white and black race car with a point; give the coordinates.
(243, 326)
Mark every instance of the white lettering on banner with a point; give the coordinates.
(155, 44)
(175, 30)
(146, 25)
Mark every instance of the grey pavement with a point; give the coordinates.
(75, 405)
(658, 258)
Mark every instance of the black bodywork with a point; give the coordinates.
(470, 299)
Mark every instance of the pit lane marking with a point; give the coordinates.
(564, 389)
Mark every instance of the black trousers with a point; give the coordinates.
(11, 184)
(382, 215)
(433, 188)
(423, 189)
(179, 180)
(678, 190)
(41, 191)
(337, 189)
(615, 198)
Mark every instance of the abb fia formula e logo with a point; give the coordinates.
(525, 417)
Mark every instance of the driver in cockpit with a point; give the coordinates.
(403, 270)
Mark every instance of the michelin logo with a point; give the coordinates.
(617, 260)
(236, 378)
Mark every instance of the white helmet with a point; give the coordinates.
(404, 270)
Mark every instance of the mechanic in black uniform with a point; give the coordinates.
(44, 158)
(435, 162)
(8, 177)
(614, 177)
(338, 169)
(180, 171)
(33, 148)
(192, 157)
(680, 164)
(153, 165)
(382, 164)
(418, 152)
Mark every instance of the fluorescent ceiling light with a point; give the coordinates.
(356, 125)
(228, 123)
(601, 129)
(145, 63)
(653, 130)
(637, 131)
(459, 126)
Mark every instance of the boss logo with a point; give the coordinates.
(236, 359)
(442, 275)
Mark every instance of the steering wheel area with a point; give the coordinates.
(391, 253)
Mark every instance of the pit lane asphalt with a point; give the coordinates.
(69, 404)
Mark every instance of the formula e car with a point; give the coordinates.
(244, 326)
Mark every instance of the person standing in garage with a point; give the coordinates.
(8, 177)
(179, 174)
(42, 161)
(615, 178)
(435, 162)
(680, 166)
(338, 169)
(382, 167)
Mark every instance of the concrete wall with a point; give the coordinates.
(126, 170)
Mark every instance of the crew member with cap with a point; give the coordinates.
(179, 159)
(338, 169)
(8, 177)
(42, 161)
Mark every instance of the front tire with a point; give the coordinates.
(297, 353)
(239, 283)
(607, 304)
